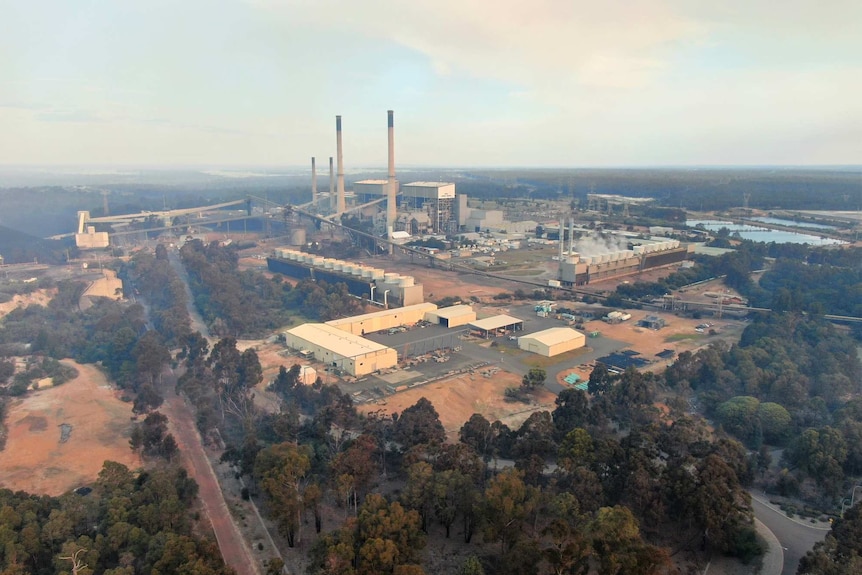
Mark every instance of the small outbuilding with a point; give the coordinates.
(652, 322)
(553, 341)
(452, 316)
(497, 325)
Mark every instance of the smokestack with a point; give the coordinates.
(331, 185)
(339, 203)
(313, 183)
(571, 236)
(390, 190)
(562, 241)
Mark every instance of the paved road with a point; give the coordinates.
(797, 537)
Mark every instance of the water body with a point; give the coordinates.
(793, 224)
(765, 235)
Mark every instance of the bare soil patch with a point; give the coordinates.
(458, 398)
(40, 297)
(109, 285)
(96, 425)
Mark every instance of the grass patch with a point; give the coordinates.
(684, 337)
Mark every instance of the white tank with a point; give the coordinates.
(405, 281)
(365, 272)
(571, 260)
(587, 260)
(337, 266)
(390, 277)
(352, 269)
(317, 261)
(327, 263)
(674, 243)
(377, 274)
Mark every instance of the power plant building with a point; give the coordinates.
(437, 199)
(336, 348)
(553, 341)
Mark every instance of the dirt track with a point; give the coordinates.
(233, 548)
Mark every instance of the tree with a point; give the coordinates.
(534, 379)
(506, 503)
(354, 468)
(419, 424)
(388, 536)
(600, 380)
(281, 470)
(477, 433)
(840, 553)
(471, 566)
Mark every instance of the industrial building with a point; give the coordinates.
(437, 199)
(452, 316)
(497, 325)
(553, 341)
(389, 289)
(342, 350)
(385, 319)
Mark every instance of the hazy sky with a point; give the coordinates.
(472, 82)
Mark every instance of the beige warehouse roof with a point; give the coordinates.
(384, 313)
(335, 340)
(454, 311)
(495, 322)
(554, 335)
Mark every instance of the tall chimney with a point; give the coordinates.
(339, 203)
(331, 185)
(562, 243)
(313, 183)
(571, 236)
(390, 189)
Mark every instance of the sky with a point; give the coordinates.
(562, 83)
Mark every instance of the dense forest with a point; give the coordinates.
(130, 523)
(248, 304)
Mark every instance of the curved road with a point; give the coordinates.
(797, 537)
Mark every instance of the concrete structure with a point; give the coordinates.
(92, 239)
(481, 220)
(553, 341)
(333, 347)
(437, 199)
(381, 320)
(495, 325)
(313, 182)
(307, 375)
(339, 156)
(452, 316)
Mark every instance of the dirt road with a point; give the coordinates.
(234, 550)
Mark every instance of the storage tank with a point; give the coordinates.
(390, 277)
(587, 260)
(377, 274)
(675, 243)
(328, 263)
(638, 250)
(317, 261)
(352, 269)
(337, 266)
(297, 237)
(365, 272)
(405, 281)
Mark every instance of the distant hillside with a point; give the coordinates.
(18, 247)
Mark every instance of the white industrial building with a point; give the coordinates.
(553, 341)
(336, 348)
(384, 319)
(452, 316)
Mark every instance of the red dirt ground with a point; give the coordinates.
(458, 398)
(34, 459)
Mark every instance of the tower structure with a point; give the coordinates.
(390, 184)
(339, 157)
(313, 182)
